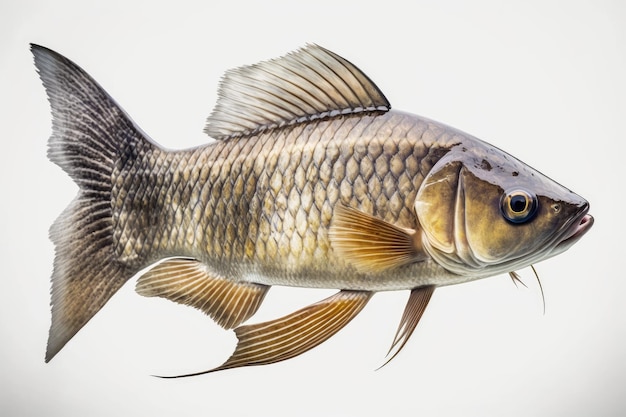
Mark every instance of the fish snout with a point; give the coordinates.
(581, 225)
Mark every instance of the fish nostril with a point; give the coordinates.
(585, 206)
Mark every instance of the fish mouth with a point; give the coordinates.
(579, 227)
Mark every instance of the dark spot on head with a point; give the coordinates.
(484, 164)
(515, 173)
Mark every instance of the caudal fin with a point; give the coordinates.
(91, 136)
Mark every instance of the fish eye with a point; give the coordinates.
(519, 206)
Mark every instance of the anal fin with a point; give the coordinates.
(289, 336)
(190, 282)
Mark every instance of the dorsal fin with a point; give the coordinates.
(308, 84)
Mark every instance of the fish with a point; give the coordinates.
(310, 180)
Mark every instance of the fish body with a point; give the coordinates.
(263, 205)
(313, 181)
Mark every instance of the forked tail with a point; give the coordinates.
(91, 138)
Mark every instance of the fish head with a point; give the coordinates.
(482, 212)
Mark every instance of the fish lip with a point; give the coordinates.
(579, 227)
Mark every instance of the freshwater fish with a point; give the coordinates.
(312, 180)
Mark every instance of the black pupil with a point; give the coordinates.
(518, 203)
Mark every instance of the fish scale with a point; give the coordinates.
(312, 181)
(224, 232)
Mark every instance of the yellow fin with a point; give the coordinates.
(415, 307)
(371, 244)
(189, 282)
(294, 334)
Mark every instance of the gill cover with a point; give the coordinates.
(435, 205)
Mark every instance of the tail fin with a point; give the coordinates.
(91, 135)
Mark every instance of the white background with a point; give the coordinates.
(543, 80)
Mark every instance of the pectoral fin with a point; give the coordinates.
(418, 301)
(189, 282)
(372, 244)
(289, 336)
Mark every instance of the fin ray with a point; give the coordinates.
(415, 307)
(307, 84)
(90, 133)
(290, 336)
(372, 244)
(190, 282)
